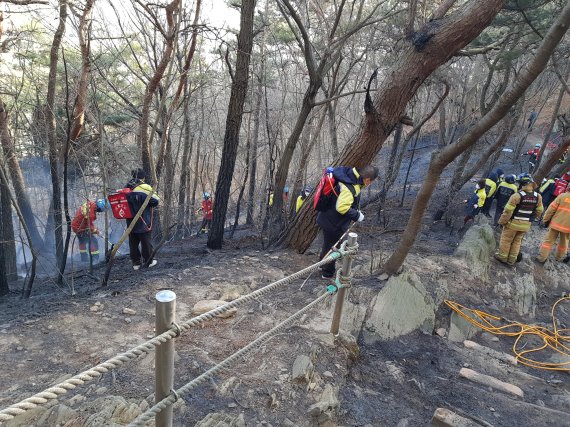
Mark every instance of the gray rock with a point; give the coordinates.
(57, 416)
(402, 306)
(302, 370)
(114, 409)
(460, 329)
(220, 419)
(206, 305)
(349, 342)
(477, 248)
(327, 406)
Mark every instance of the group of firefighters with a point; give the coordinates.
(136, 191)
(520, 201)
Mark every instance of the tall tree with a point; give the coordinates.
(443, 157)
(233, 124)
(49, 116)
(17, 177)
(428, 48)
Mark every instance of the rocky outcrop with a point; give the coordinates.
(477, 248)
(219, 419)
(402, 306)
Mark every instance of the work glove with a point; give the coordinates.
(360, 216)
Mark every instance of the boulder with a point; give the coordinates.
(460, 329)
(477, 248)
(302, 370)
(206, 305)
(402, 306)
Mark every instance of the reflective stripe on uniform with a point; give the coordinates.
(559, 227)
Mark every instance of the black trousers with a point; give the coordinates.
(330, 237)
(142, 256)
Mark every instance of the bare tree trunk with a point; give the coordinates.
(233, 124)
(413, 65)
(552, 160)
(331, 111)
(441, 159)
(49, 114)
(7, 239)
(17, 177)
(170, 33)
(252, 166)
(77, 124)
(29, 281)
(442, 141)
(276, 211)
(183, 201)
(550, 126)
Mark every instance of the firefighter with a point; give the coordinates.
(140, 245)
(491, 183)
(84, 228)
(557, 219)
(207, 209)
(475, 202)
(546, 190)
(517, 218)
(534, 154)
(335, 220)
(301, 199)
(504, 191)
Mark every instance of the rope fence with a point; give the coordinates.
(174, 331)
(175, 395)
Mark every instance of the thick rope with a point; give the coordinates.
(173, 396)
(57, 390)
(557, 340)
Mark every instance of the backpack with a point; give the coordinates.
(560, 187)
(119, 204)
(328, 190)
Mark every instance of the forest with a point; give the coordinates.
(246, 100)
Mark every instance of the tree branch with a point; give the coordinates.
(442, 9)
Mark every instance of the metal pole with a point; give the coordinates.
(346, 267)
(164, 361)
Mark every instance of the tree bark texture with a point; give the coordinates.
(433, 45)
(441, 159)
(233, 124)
(49, 115)
(253, 152)
(17, 177)
(7, 239)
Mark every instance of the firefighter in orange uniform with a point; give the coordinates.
(557, 219)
